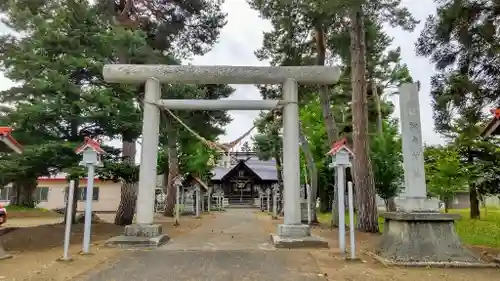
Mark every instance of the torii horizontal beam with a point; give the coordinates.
(218, 74)
(220, 104)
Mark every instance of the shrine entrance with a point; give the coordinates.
(287, 76)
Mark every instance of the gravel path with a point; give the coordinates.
(230, 246)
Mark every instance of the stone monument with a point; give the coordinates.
(417, 232)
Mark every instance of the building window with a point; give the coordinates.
(41, 194)
(241, 173)
(6, 193)
(81, 194)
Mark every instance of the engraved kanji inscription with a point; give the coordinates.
(413, 125)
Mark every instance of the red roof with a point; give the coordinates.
(493, 127)
(90, 143)
(337, 146)
(9, 140)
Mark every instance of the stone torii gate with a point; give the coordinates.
(290, 234)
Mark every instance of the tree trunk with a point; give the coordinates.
(24, 192)
(329, 120)
(128, 191)
(324, 199)
(313, 173)
(367, 220)
(377, 99)
(475, 211)
(173, 169)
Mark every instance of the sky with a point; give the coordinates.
(243, 35)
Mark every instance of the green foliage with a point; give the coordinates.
(387, 161)
(61, 95)
(195, 159)
(37, 160)
(445, 174)
(461, 39)
(268, 142)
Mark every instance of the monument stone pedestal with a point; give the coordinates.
(139, 235)
(423, 237)
(419, 233)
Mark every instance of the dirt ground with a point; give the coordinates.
(36, 248)
(335, 268)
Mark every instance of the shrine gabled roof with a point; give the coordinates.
(338, 145)
(8, 141)
(493, 127)
(90, 143)
(264, 169)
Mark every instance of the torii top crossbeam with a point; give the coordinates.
(218, 74)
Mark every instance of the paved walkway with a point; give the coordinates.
(233, 246)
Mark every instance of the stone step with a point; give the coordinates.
(242, 206)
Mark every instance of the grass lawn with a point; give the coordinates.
(24, 212)
(483, 232)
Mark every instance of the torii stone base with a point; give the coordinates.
(296, 236)
(139, 236)
(426, 237)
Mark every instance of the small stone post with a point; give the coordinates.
(178, 186)
(177, 204)
(197, 203)
(268, 198)
(261, 197)
(275, 203)
(209, 199)
(202, 200)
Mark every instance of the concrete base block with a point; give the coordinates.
(137, 241)
(139, 236)
(293, 231)
(144, 230)
(296, 236)
(5, 256)
(294, 243)
(422, 237)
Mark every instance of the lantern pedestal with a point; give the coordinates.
(422, 237)
(296, 236)
(139, 235)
